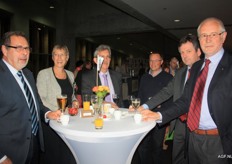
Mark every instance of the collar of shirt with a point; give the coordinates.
(150, 72)
(106, 73)
(216, 57)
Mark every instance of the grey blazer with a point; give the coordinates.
(48, 87)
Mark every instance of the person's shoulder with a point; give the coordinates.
(115, 73)
(166, 74)
(69, 72)
(181, 70)
(46, 70)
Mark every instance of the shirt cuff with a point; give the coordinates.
(45, 117)
(160, 120)
(3, 159)
(145, 106)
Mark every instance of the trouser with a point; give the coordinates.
(205, 149)
(178, 152)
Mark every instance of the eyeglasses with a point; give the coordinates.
(61, 55)
(155, 61)
(20, 48)
(211, 36)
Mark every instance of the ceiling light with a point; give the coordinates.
(176, 20)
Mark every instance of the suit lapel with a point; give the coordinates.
(183, 76)
(217, 77)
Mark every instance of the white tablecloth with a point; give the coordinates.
(114, 144)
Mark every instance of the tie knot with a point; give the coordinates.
(19, 73)
(207, 61)
(105, 76)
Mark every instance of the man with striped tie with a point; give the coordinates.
(21, 136)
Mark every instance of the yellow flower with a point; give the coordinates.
(101, 91)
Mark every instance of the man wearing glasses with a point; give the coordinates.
(209, 121)
(21, 136)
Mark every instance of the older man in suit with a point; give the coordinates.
(209, 121)
(21, 134)
(106, 76)
(190, 53)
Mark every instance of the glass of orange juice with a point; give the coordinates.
(98, 122)
(86, 102)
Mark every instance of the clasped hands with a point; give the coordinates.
(147, 114)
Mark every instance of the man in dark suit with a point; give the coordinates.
(19, 142)
(210, 141)
(190, 53)
(114, 79)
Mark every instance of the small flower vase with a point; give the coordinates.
(98, 122)
(99, 106)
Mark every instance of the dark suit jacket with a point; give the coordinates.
(15, 124)
(219, 99)
(89, 81)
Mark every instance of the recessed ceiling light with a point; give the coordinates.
(176, 20)
(51, 7)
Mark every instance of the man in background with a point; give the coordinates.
(150, 149)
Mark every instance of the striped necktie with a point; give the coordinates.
(195, 105)
(31, 104)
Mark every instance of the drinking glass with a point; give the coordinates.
(130, 98)
(94, 102)
(62, 101)
(86, 102)
(135, 103)
(115, 99)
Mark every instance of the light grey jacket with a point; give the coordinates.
(48, 87)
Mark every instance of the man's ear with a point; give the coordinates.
(95, 60)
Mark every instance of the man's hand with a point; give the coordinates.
(7, 161)
(53, 115)
(149, 115)
(131, 109)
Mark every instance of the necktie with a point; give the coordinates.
(31, 104)
(183, 117)
(107, 98)
(195, 105)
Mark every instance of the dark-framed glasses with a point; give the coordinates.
(20, 48)
(211, 36)
(154, 61)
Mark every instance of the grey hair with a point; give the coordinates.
(100, 48)
(61, 47)
(220, 23)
